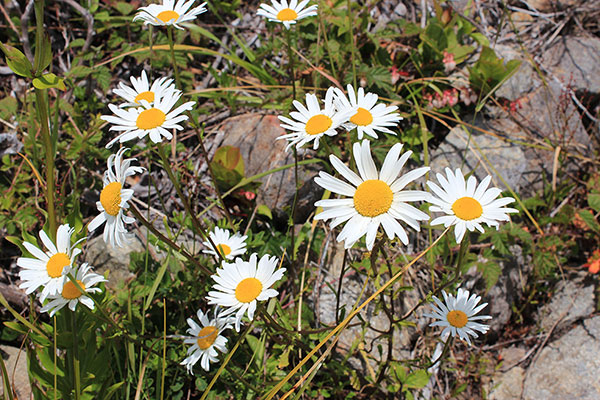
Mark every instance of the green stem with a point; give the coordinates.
(291, 62)
(55, 370)
(164, 354)
(42, 112)
(351, 42)
(293, 214)
(188, 209)
(172, 49)
(77, 377)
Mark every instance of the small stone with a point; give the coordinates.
(15, 361)
(507, 385)
(571, 302)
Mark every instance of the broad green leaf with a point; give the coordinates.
(49, 80)
(417, 379)
(590, 221)
(594, 201)
(264, 210)
(16, 61)
(46, 55)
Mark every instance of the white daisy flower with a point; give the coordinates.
(287, 14)
(206, 339)
(48, 269)
(458, 314)
(376, 198)
(153, 120)
(241, 284)
(114, 198)
(467, 205)
(142, 90)
(169, 13)
(312, 122)
(229, 246)
(368, 116)
(70, 294)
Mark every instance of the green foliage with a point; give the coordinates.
(17, 61)
(490, 71)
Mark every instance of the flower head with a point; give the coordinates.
(241, 284)
(593, 263)
(287, 14)
(142, 90)
(457, 315)
(169, 13)
(367, 116)
(48, 269)
(206, 339)
(71, 295)
(467, 205)
(375, 198)
(228, 246)
(312, 122)
(151, 119)
(114, 198)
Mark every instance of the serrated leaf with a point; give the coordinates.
(590, 221)
(594, 201)
(497, 240)
(16, 61)
(49, 80)
(417, 379)
(490, 272)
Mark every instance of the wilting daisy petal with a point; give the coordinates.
(169, 13)
(153, 120)
(241, 284)
(114, 198)
(229, 246)
(287, 14)
(206, 339)
(376, 198)
(368, 116)
(457, 315)
(48, 269)
(312, 122)
(70, 295)
(142, 90)
(467, 205)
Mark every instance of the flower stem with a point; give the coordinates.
(77, 377)
(177, 80)
(351, 43)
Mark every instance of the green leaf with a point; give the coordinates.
(590, 221)
(49, 81)
(16, 61)
(594, 201)
(228, 166)
(264, 210)
(417, 379)
(490, 272)
(46, 55)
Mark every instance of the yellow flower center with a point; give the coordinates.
(318, 124)
(248, 290)
(362, 117)
(56, 264)
(373, 198)
(110, 198)
(467, 208)
(166, 16)
(207, 337)
(224, 249)
(148, 96)
(287, 14)
(150, 119)
(70, 291)
(457, 318)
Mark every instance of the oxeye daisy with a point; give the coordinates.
(142, 90)
(241, 284)
(375, 198)
(467, 205)
(153, 120)
(70, 295)
(287, 14)
(206, 339)
(228, 246)
(169, 13)
(48, 269)
(114, 198)
(368, 116)
(312, 122)
(457, 315)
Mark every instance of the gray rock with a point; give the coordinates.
(115, 260)
(567, 368)
(508, 385)
(575, 61)
(15, 361)
(9, 144)
(571, 302)
(508, 159)
(255, 135)
(521, 82)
